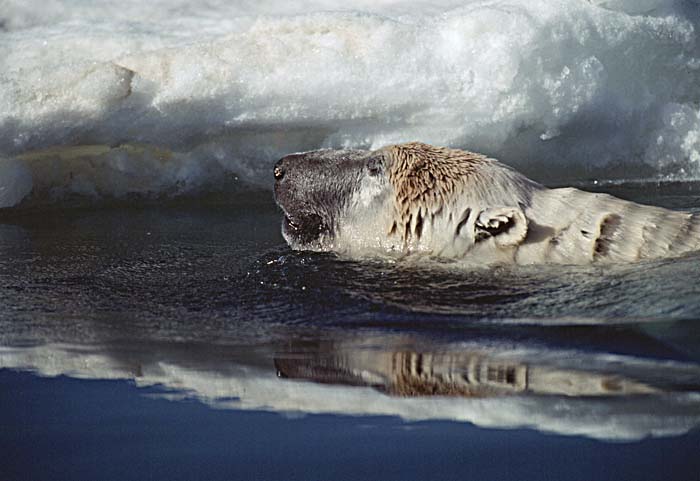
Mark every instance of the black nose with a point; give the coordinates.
(278, 172)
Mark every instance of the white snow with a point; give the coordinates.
(105, 98)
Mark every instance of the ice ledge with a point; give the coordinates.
(547, 86)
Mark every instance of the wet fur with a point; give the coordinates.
(416, 198)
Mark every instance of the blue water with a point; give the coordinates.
(63, 428)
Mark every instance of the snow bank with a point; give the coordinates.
(170, 96)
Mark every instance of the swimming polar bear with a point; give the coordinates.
(416, 198)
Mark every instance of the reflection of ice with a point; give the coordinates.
(629, 400)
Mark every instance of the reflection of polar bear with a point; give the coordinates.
(454, 204)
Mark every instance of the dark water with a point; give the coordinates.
(186, 341)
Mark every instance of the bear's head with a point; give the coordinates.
(406, 197)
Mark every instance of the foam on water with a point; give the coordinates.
(167, 97)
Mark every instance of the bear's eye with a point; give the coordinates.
(374, 168)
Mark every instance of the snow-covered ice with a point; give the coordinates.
(106, 98)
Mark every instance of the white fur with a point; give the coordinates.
(566, 226)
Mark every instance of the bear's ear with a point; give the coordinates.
(507, 225)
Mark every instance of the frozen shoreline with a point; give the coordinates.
(199, 91)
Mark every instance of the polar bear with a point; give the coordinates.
(416, 198)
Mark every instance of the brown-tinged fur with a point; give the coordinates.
(454, 204)
(425, 178)
(537, 224)
(407, 381)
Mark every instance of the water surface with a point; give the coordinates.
(185, 340)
